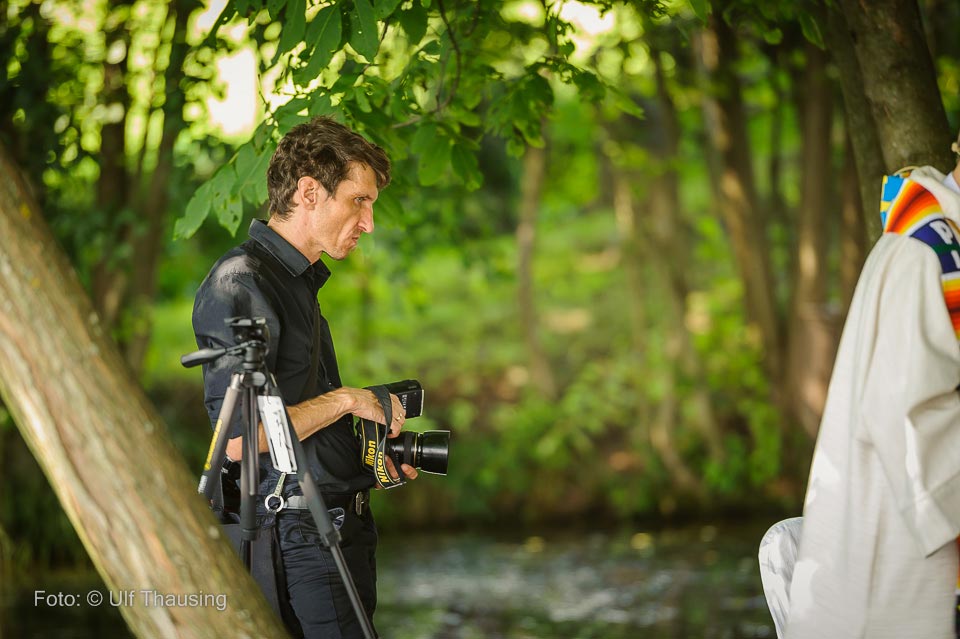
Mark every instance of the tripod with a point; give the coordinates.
(254, 388)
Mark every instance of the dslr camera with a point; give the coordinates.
(427, 451)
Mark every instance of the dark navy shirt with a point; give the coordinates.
(267, 277)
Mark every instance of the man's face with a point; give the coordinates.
(344, 217)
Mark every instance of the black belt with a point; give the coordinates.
(358, 502)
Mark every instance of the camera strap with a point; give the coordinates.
(373, 442)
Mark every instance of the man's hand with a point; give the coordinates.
(366, 406)
(407, 469)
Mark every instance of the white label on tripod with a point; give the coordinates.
(274, 420)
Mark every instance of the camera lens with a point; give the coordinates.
(433, 451)
(428, 451)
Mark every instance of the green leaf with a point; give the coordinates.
(464, 162)
(260, 191)
(423, 139)
(773, 36)
(811, 29)
(590, 88)
(294, 25)
(251, 168)
(624, 102)
(227, 206)
(363, 102)
(365, 38)
(243, 7)
(431, 48)
(541, 91)
(324, 37)
(229, 212)
(383, 9)
(414, 22)
(321, 104)
(388, 204)
(196, 212)
(225, 16)
(289, 115)
(434, 161)
(516, 146)
(244, 164)
(701, 8)
(467, 118)
(347, 77)
(274, 7)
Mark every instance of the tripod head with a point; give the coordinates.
(251, 335)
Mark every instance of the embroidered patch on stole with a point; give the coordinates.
(906, 208)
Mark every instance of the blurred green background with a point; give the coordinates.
(595, 255)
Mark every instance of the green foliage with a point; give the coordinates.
(427, 81)
(457, 92)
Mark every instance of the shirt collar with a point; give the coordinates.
(285, 253)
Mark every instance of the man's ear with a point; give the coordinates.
(310, 192)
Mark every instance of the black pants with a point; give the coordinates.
(316, 590)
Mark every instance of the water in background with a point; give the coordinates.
(699, 581)
(692, 582)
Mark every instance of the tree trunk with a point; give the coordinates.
(109, 282)
(853, 233)
(631, 256)
(148, 245)
(666, 221)
(105, 451)
(861, 127)
(900, 82)
(665, 418)
(662, 440)
(737, 199)
(776, 202)
(811, 346)
(534, 173)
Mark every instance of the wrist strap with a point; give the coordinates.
(373, 442)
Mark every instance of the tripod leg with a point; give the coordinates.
(331, 538)
(250, 468)
(218, 445)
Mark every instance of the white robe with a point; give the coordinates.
(878, 556)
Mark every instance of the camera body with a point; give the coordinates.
(410, 393)
(428, 451)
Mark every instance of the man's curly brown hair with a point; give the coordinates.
(322, 149)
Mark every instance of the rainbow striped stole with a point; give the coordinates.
(906, 208)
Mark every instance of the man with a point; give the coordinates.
(322, 181)
(877, 555)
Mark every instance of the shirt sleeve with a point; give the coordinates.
(232, 295)
(910, 408)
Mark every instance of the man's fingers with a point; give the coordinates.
(399, 416)
(390, 468)
(407, 469)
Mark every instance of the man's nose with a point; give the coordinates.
(366, 221)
